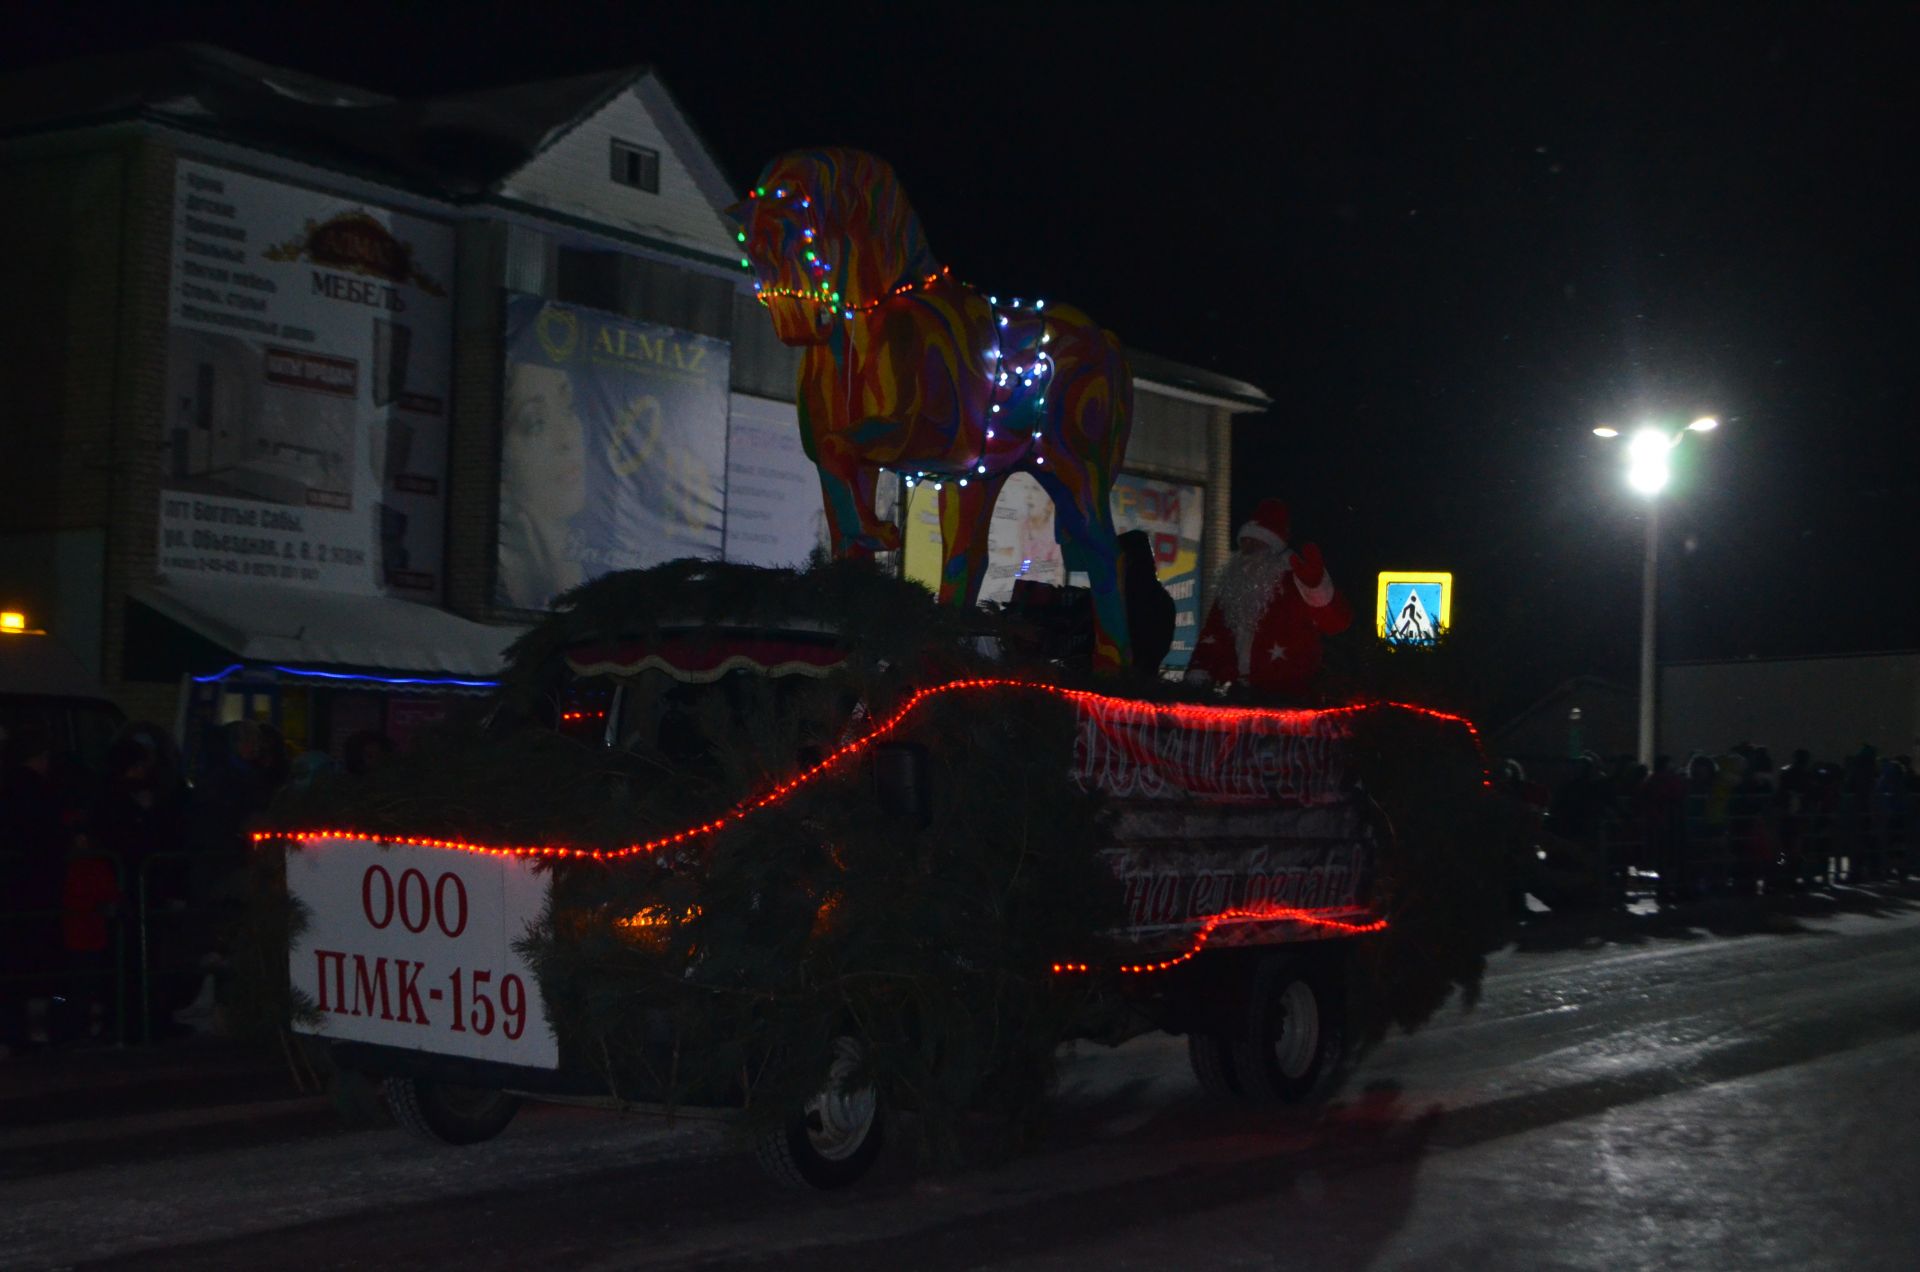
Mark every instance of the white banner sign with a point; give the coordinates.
(413, 947)
(308, 372)
(775, 515)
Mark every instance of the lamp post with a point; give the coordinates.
(1647, 473)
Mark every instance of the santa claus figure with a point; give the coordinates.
(1274, 605)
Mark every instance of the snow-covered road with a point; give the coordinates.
(1625, 1095)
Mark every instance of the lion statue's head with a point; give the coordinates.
(828, 231)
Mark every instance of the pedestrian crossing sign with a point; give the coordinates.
(1414, 607)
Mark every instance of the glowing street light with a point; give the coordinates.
(1647, 473)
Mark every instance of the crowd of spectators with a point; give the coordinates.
(1733, 822)
(117, 885)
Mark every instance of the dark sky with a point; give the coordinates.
(1447, 244)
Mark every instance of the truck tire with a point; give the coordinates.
(1211, 1057)
(834, 1140)
(1294, 1041)
(449, 1114)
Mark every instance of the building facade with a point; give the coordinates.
(315, 398)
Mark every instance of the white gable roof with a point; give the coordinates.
(571, 174)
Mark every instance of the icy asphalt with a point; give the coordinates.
(1736, 1087)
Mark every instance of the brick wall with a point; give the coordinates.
(473, 442)
(57, 341)
(1217, 535)
(83, 366)
(139, 403)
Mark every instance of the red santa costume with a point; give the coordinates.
(1274, 605)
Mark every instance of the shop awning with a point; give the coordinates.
(705, 656)
(36, 664)
(272, 625)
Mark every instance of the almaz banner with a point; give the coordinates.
(309, 355)
(1224, 810)
(613, 448)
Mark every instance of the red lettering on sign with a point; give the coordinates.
(440, 903)
(409, 973)
(482, 1025)
(407, 910)
(366, 980)
(386, 896)
(320, 959)
(513, 1007)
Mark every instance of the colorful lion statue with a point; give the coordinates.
(909, 370)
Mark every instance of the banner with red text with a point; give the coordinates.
(1138, 750)
(414, 947)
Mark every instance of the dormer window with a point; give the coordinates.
(636, 166)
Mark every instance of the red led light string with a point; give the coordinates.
(824, 296)
(1179, 711)
(1291, 914)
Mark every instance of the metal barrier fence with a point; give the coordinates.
(180, 929)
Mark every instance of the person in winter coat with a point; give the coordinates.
(1275, 606)
(142, 822)
(1150, 608)
(42, 821)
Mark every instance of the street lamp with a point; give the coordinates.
(1647, 473)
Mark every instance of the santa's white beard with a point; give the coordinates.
(1248, 585)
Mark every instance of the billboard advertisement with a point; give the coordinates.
(613, 448)
(308, 366)
(1020, 543)
(1169, 512)
(775, 515)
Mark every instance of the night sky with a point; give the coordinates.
(1447, 245)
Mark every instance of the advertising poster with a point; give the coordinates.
(775, 515)
(920, 537)
(1020, 543)
(613, 448)
(1019, 539)
(1170, 513)
(308, 366)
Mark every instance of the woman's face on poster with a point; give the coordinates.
(545, 452)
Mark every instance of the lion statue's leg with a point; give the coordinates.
(965, 512)
(1083, 524)
(847, 488)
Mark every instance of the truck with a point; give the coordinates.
(964, 862)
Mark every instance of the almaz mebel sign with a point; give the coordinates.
(308, 371)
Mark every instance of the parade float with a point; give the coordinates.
(829, 854)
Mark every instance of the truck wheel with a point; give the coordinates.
(1212, 1059)
(832, 1141)
(1294, 1042)
(449, 1114)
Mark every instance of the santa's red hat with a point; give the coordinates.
(1269, 525)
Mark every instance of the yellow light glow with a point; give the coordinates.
(12, 621)
(1705, 424)
(1604, 431)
